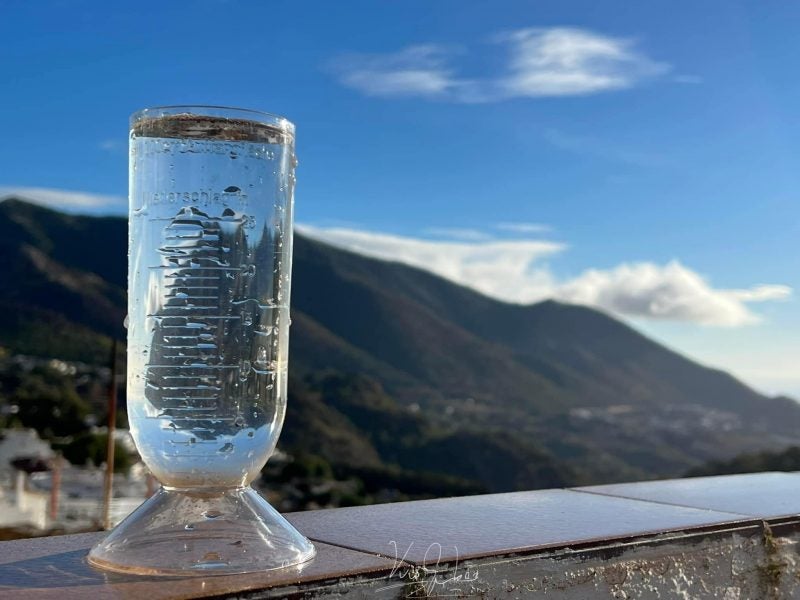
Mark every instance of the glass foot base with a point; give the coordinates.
(184, 533)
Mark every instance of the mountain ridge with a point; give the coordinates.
(579, 392)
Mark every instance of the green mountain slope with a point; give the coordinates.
(392, 365)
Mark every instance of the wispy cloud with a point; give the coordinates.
(66, 200)
(112, 145)
(540, 62)
(593, 147)
(763, 293)
(414, 71)
(516, 271)
(523, 227)
(688, 79)
(458, 233)
(565, 61)
(487, 266)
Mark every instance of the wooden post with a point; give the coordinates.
(112, 423)
(151, 484)
(55, 487)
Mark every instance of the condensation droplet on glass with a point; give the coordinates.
(239, 421)
(247, 319)
(244, 369)
(261, 356)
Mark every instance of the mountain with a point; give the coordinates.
(63, 292)
(759, 462)
(392, 365)
(539, 358)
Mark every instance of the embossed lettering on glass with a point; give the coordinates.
(209, 268)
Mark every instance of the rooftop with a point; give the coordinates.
(731, 537)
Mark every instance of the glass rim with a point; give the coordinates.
(209, 110)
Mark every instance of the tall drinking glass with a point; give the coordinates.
(210, 249)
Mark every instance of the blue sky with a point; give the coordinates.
(641, 157)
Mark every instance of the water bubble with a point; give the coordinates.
(232, 189)
(226, 449)
(189, 527)
(249, 270)
(261, 356)
(250, 433)
(239, 421)
(244, 369)
(247, 319)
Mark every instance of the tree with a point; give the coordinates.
(50, 405)
(92, 448)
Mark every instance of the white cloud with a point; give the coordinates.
(458, 233)
(501, 269)
(671, 291)
(414, 71)
(514, 271)
(541, 62)
(66, 200)
(563, 61)
(763, 293)
(522, 227)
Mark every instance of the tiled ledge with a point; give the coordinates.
(717, 537)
